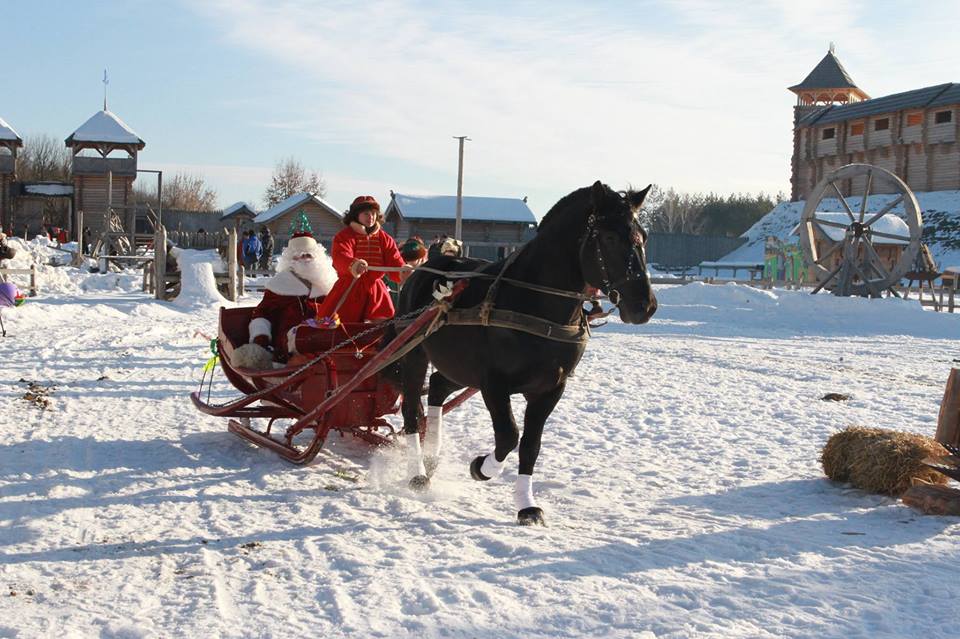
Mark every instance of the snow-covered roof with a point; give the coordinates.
(51, 189)
(105, 126)
(444, 207)
(889, 223)
(7, 133)
(295, 200)
(238, 208)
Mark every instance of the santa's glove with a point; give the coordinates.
(263, 341)
(358, 267)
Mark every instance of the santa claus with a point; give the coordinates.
(304, 277)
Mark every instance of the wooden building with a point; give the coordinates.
(10, 142)
(239, 215)
(104, 166)
(913, 134)
(324, 219)
(491, 227)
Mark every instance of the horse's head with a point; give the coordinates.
(613, 252)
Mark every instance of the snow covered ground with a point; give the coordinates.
(679, 476)
(941, 222)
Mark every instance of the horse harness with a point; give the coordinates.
(487, 314)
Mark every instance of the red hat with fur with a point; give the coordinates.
(359, 205)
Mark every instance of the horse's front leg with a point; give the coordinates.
(505, 434)
(414, 370)
(538, 410)
(441, 388)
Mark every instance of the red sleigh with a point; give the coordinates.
(336, 388)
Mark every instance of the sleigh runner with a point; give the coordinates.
(338, 387)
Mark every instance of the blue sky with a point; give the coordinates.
(554, 95)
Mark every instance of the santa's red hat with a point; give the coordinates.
(302, 242)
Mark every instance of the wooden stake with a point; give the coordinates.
(948, 422)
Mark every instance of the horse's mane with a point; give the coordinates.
(559, 214)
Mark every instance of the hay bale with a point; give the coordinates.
(878, 460)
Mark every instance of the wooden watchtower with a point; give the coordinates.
(828, 84)
(9, 143)
(103, 183)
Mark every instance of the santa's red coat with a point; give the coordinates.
(286, 303)
(369, 298)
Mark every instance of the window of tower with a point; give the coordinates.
(829, 133)
(856, 128)
(881, 124)
(915, 118)
(943, 117)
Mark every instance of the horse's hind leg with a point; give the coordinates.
(441, 388)
(414, 370)
(539, 408)
(505, 435)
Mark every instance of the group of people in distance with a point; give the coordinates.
(256, 252)
(324, 290)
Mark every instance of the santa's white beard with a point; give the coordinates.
(311, 270)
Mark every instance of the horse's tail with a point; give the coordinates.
(392, 372)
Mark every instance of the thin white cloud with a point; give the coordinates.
(556, 96)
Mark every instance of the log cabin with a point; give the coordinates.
(913, 134)
(10, 143)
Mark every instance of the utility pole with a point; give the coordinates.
(457, 232)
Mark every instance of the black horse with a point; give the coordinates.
(589, 240)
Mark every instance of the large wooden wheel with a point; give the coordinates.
(846, 259)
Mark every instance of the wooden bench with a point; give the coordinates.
(755, 271)
(32, 272)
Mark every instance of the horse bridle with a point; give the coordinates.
(630, 274)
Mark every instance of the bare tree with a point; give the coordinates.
(43, 158)
(679, 212)
(184, 191)
(289, 178)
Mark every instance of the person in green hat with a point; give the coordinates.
(414, 253)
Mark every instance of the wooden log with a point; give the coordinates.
(232, 287)
(932, 499)
(160, 263)
(948, 421)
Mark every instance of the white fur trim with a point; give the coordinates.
(491, 467)
(303, 244)
(252, 356)
(259, 326)
(415, 467)
(292, 340)
(523, 492)
(433, 440)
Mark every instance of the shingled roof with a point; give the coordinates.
(828, 74)
(927, 97)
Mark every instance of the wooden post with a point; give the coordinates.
(160, 263)
(33, 280)
(81, 249)
(948, 422)
(232, 268)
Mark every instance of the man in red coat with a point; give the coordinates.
(361, 245)
(304, 276)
